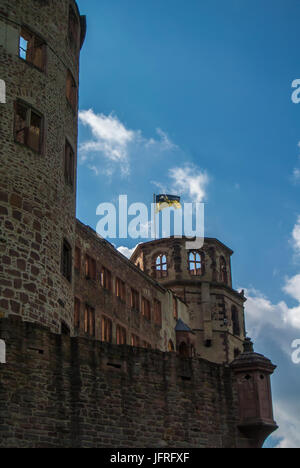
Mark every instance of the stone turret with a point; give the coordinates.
(40, 45)
(202, 278)
(253, 371)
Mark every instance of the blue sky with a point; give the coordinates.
(195, 98)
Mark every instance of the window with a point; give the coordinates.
(28, 127)
(106, 329)
(90, 268)
(223, 270)
(146, 309)
(161, 266)
(135, 341)
(106, 278)
(73, 28)
(67, 260)
(32, 49)
(89, 320)
(235, 321)
(170, 346)
(157, 312)
(175, 308)
(77, 258)
(195, 263)
(69, 164)
(71, 91)
(121, 335)
(120, 289)
(135, 300)
(77, 313)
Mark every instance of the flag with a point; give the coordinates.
(166, 201)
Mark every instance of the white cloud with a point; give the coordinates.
(296, 175)
(126, 251)
(114, 144)
(287, 414)
(190, 180)
(296, 236)
(111, 139)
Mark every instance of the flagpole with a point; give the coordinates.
(154, 203)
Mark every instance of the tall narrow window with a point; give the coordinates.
(66, 265)
(90, 268)
(32, 49)
(76, 313)
(135, 341)
(175, 308)
(146, 309)
(28, 126)
(71, 91)
(135, 300)
(73, 28)
(195, 263)
(223, 270)
(106, 279)
(235, 321)
(77, 264)
(69, 164)
(121, 335)
(161, 266)
(89, 320)
(120, 290)
(106, 330)
(157, 313)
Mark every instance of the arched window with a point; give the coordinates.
(235, 321)
(161, 266)
(170, 346)
(223, 270)
(195, 263)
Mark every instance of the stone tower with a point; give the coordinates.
(202, 278)
(40, 43)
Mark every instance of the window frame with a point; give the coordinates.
(32, 39)
(71, 91)
(194, 262)
(66, 270)
(159, 264)
(106, 326)
(69, 164)
(120, 289)
(77, 308)
(29, 109)
(89, 321)
(90, 267)
(106, 279)
(121, 335)
(146, 309)
(134, 300)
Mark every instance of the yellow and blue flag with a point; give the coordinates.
(166, 201)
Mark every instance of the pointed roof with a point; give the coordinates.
(181, 326)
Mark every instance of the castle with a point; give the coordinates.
(97, 350)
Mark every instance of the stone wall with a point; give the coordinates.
(57, 391)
